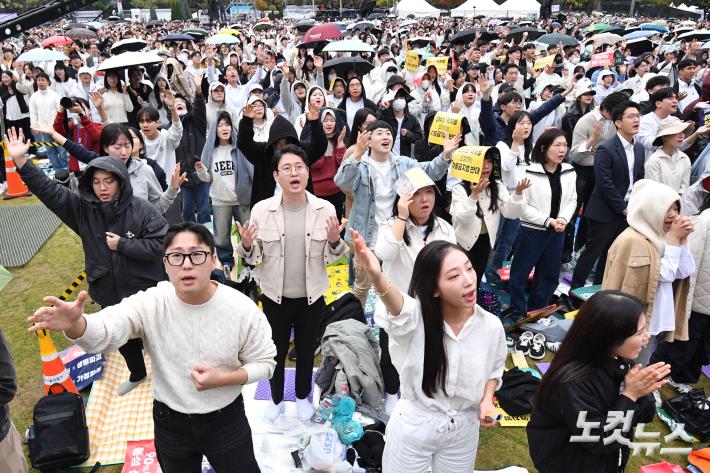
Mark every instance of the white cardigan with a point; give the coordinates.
(539, 195)
(467, 225)
(699, 292)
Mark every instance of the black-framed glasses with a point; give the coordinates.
(178, 259)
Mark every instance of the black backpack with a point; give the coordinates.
(517, 391)
(693, 410)
(59, 436)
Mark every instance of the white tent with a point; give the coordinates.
(520, 8)
(416, 8)
(476, 7)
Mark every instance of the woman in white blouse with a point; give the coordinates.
(476, 211)
(117, 102)
(450, 354)
(399, 241)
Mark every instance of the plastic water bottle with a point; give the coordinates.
(344, 392)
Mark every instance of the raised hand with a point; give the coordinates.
(247, 233)
(522, 185)
(318, 62)
(363, 142)
(248, 111)
(485, 85)
(169, 98)
(333, 229)
(370, 262)
(42, 128)
(403, 205)
(451, 144)
(478, 187)
(177, 179)
(341, 137)
(60, 316)
(17, 146)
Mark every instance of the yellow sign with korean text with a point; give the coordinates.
(411, 62)
(508, 420)
(444, 123)
(441, 64)
(467, 162)
(544, 62)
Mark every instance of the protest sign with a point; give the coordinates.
(444, 123)
(411, 62)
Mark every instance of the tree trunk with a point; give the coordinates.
(631, 8)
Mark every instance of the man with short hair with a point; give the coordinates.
(294, 235)
(43, 106)
(652, 85)
(686, 88)
(618, 163)
(205, 341)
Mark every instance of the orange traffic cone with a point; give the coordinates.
(15, 186)
(54, 372)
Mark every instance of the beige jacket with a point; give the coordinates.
(268, 249)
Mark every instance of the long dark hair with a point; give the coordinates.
(508, 135)
(603, 323)
(359, 118)
(424, 284)
(226, 116)
(431, 221)
(492, 190)
(110, 134)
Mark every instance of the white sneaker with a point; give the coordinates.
(390, 403)
(274, 411)
(657, 398)
(680, 387)
(305, 409)
(127, 386)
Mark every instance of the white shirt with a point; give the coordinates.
(648, 131)
(676, 263)
(474, 356)
(688, 89)
(397, 136)
(384, 194)
(512, 163)
(397, 257)
(351, 109)
(43, 106)
(228, 332)
(162, 148)
(630, 158)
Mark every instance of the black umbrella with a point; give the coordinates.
(700, 35)
(376, 16)
(557, 38)
(363, 25)
(639, 46)
(305, 25)
(468, 35)
(343, 64)
(517, 33)
(419, 42)
(178, 37)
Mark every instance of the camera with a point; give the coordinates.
(67, 102)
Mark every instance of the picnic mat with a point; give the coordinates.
(114, 419)
(24, 230)
(263, 389)
(338, 276)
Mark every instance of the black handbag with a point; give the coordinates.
(516, 393)
(693, 410)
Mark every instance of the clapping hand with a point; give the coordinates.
(478, 187)
(640, 382)
(333, 230)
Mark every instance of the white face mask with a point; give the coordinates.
(399, 104)
(425, 84)
(575, 59)
(182, 112)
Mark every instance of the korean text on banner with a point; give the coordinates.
(441, 63)
(544, 62)
(444, 123)
(467, 162)
(411, 62)
(601, 59)
(706, 117)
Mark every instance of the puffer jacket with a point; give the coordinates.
(699, 290)
(137, 263)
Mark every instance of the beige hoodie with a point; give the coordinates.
(648, 204)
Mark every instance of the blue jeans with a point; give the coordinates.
(542, 250)
(200, 195)
(507, 231)
(222, 223)
(56, 154)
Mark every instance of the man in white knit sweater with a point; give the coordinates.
(43, 106)
(205, 340)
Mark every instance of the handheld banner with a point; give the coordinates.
(441, 64)
(444, 123)
(467, 161)
(544, 62)
(602, 59)
(411, 62)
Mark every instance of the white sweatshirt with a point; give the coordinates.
(43, 107)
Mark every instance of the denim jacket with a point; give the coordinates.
(354, 176)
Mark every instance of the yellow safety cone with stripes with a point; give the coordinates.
(54, 373)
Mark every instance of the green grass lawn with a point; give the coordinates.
(60, 260)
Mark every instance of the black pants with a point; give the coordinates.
(389, 372)
(585, 186)
(133, 355)
(305, 320)
(478, 254)
(24, 125)
(601, 236)
(687, 358)
(223, 436)
(338, 201)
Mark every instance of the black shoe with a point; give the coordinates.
(524, 342)
(537, 350)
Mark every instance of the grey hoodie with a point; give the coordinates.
(213, 109)
(146, 186)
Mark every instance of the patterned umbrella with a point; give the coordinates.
(324, 32)
(81, 33)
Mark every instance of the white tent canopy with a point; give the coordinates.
(519, 8)
(417, 8)
(476, 7)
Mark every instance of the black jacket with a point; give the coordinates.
(569, 121)
(409, 123)
(112, 275)
(554, 419)
(611, 179)
(261, 154)
(194, 131)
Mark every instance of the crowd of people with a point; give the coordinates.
(598, 171)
